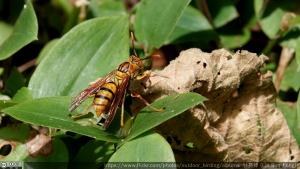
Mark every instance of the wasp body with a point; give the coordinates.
(109, 92)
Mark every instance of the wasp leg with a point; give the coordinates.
(122, 111)
(137, 95)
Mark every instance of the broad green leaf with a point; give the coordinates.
(291, 77)
(222, 12)
(191, 21)
(22, 95)
(44, 52)
(156, 19)
(173, 106)
(292, 116)
(87, 52)
(53, 112)
(16, 132)
(298, 54)
(5, 31)
(146, 148)
(92, 154)
(25, 31)
(102, 8)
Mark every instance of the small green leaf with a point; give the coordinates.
(88, 51)
(291, 77)
(22, 95)
(25, 31)
(191, 21)
(156, 20)
(222, 12)
(173, 106)
(44, 52)
(270, 16)
(107, 7)
(146, 148)
(53, 112)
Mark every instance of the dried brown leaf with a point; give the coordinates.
(238, 122)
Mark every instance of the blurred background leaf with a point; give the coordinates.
(24, 32)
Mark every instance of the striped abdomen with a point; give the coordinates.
(104, 98)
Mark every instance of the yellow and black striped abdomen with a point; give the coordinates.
(104, 97)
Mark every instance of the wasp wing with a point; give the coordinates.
(92, 89)
(116, 101)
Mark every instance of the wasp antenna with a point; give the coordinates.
(132, 44)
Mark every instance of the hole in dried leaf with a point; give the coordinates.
(292, 157)
(198, 62)
(178, 88)
(204, 65)
(229, 57)
(219, 73)
(5, 149)
(248, 150)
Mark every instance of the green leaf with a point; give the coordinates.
(191, 21)
(107, 7)
(291, 38)
(147, 148)
(5, 31)
(291, 77)
(22, 95)
(14, 82)
(53, 112)
(16, 132)
(18, 153)
(44, 52)
(156, 19)
(234, 38)
(292, 116)
(173, 106)
(270, 16)
(87, 52)
(25, 31)
(94, 152)
(271, 23)
(222, 12)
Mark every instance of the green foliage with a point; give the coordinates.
(292, 115)
(147, 148)
(25, 31)
(78, 66)
(151, 26)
